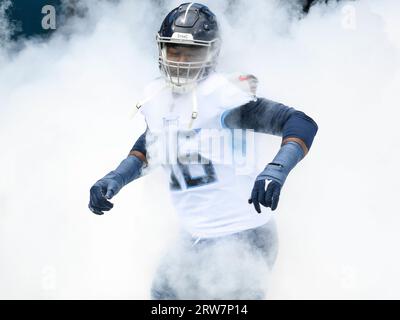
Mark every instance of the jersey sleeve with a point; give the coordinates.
(267, 116)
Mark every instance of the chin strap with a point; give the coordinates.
(194, 107)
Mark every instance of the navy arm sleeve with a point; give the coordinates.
(300, 125)
(140, 144)
(267, 116)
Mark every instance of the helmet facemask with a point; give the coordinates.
(186, 62)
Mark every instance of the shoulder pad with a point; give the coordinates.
(151, 90)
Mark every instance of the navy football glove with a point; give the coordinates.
(107, 187)
(277, 171)
(268, 198)
(100, 192)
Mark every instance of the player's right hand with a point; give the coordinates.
(102, 191)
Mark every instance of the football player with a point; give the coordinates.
(219, 206)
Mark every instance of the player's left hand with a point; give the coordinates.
(268, 198)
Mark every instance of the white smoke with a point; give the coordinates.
(231, 268)
(64, 123)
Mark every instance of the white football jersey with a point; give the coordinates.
(212, 169)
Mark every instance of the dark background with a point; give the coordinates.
(26, 15)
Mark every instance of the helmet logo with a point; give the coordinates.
(182, 36)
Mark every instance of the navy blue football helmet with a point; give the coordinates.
(189, 44)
